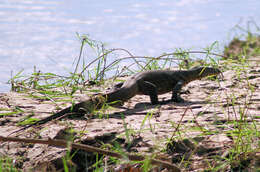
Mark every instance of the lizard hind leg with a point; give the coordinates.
(148, 88)
(176, 92)
(118, 85)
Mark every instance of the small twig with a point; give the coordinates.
(176, 129)
(7, 103)
(64, 143)
(197, 123)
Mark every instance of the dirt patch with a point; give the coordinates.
(195, 135)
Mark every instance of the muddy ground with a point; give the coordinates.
(200, 127)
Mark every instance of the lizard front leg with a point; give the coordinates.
(176, 92)
(150, 89)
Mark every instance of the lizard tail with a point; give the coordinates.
(96, 102)
(121, 95)
(85, 106)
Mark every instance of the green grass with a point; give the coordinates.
(7, 165)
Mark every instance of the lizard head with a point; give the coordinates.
(204, 71)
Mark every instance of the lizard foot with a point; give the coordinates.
(155, 103)
(165, 102)
(178, 99)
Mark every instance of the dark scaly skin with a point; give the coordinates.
(157, 82)
(150, 83)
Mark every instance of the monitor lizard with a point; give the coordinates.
(150, 83)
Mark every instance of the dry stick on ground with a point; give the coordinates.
(64, 143)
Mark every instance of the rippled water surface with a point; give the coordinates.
(42, 32)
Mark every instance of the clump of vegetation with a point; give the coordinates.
(244, 45)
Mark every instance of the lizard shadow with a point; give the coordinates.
(139, 108)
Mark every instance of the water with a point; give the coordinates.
(42, 32)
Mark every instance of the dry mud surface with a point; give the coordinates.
(200, 126)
